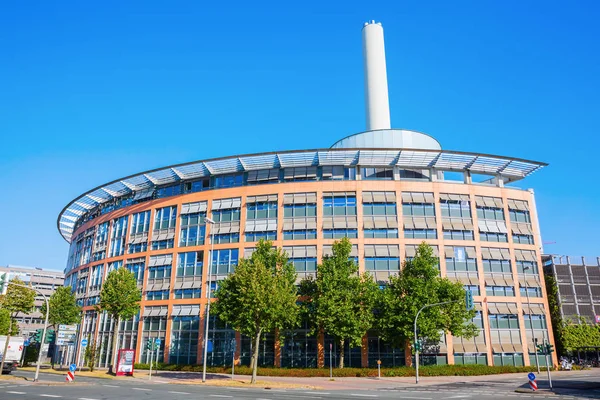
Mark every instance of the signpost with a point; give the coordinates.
(151, 345)
(532, 383)
(330, 362)
(71, 373)
(84, 344)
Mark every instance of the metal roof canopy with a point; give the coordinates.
(511, 168)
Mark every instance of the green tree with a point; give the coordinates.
(17, 299)
(579, 333)
(7, 326)
(92, 353)
(259, 296)
(419, 284)
(63, 307)
(340, 301)
(555, 316)
(120, 298)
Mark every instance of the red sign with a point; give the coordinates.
(70, 376)
(125, 362)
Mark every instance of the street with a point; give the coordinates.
(572, 385)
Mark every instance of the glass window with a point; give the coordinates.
(192, 293)
(382, 263)
(299, 210)
(118, 237)
(420, 233)
(455, 208)
(490, 213)
(221, 238)
(369, 173)
(418, 209)
(165, 218)
(224, 261)
(519, 216)
(193, 229)
(381, 233)
(184, 340)
(458, 235)
(340, 233)
(339, 205)
(379, 208)
(302, 234)
(256, 236)
(225, 181)
(496, 266)
(166, 191)
(190, 263)
(261, 210)
(226, 215)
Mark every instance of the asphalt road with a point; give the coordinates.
(101, 389)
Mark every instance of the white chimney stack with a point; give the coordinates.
(376, 88)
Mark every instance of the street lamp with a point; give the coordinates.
(208, 288)
(537, 360)
(39, 360)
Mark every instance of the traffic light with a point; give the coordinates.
(417, 345)
(50, 336)
(469, 300)
(541, 348)
(149, 344)
(549, 348)
(38, 335)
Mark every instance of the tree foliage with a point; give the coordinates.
(92, 353)
(120, 298)
(259, 296)
(8, 327)
(579, 334)
(555, 316)
(18, 299)
(340, 301)
(63, 307)
(419, 284)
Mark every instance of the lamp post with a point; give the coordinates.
(537, 360)
(208, 288)
(39, 360)
(416, 318)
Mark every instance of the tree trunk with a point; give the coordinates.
(113, 366)
(341, 349)
(6, 345)
(255, 355)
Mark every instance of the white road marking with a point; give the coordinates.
(13, 392)
(161, 381)
(317, 393)
(179, 392)
(142, 389)
(110, 385)
(363, 395)
(220, 395)
(49, 395)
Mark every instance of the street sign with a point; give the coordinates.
(209, 346)
(72, 328)
(26, 342)
(72, 367)
(157, 341)
(531, 376)
(83, 342)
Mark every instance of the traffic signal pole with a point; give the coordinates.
(417, 344)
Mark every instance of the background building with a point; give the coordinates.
(45, 279)
(385, 189)
(578, 285)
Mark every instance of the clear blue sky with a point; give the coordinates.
(91, 92)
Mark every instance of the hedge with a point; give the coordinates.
(430, 370)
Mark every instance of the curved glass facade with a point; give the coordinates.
(486, 236)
